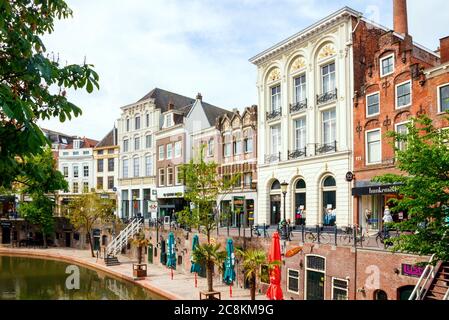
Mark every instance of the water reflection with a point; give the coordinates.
(37, 279)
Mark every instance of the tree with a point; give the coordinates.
(88, 210)
(210, 255)
(33, 84)
(41, 180)
(140, 241)
(203, 185)
(423, 188)
(253, 260)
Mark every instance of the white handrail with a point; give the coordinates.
(446, 296)
(121, 240)
(427, 273)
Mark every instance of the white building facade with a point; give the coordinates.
(305, 125)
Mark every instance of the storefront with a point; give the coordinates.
(7, 206)
(275, 203)
(237, 212)
(371, 200)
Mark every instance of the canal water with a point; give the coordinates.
(38, 279)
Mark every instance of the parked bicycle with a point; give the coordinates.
(323, 237)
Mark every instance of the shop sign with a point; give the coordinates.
(152, 206)
(349, 176)
(385, 189)
(239, 201)
(412, 270)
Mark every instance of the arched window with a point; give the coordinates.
(380, 295)
(248, 140)
(405, 292)
(275, 202)
(300, 202)
(329, 196)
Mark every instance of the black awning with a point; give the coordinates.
(376, 189)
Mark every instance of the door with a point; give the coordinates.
(405, 292)
(150, 253)
(6, 235)
(315, 285)
(96, 243)
(68, 242)
(275, 207)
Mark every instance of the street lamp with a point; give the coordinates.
(284, 232)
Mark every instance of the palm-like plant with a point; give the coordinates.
(140, 241)
(252, 260)
(209, 255)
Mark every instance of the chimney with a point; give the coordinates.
(444, 49)
(171, 105)
(400, 21)
(199, 97)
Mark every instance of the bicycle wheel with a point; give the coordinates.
(310, 237)
(325, 238)
(345, 239)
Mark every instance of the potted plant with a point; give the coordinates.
(140, 242)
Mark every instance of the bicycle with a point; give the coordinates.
(313, 237)
(348, 235)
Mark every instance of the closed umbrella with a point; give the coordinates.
(274, 290)
(195, 267)
(229, 273)
(171, 253)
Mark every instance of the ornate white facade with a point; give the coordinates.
(305, 124)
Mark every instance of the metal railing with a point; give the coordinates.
(274, 114)
(298, 153)
(298, 106)
(119, 242)
(427, 275)
(325, 148)
(326, 97)
(269, 158)
(446, 296)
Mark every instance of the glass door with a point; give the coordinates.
(315, 285)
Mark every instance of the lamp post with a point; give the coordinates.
(284, 232)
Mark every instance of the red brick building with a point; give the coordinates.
(395, 79)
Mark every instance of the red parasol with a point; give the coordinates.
(274, 292)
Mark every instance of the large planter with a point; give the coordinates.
(139, 270)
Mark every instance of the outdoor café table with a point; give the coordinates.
(210, 295)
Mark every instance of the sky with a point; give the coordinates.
(191, 46)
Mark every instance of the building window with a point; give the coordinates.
(162, 177)
(75, 171)
(329, 201)
(110, 165)
(387, 65)
(329, 126)
(227, 145)
(210, 147)
(328, 77)
(300, 202)
(275, 132)
(136, 167)
(248, 142)
(85, 152)
(75, 187)
(99, 183)
(339, 289)
(148, 166)
(403, 95)
(178, 175)
(137, 123)
(125, 145)
(169, 151)
(99, 165)
(148, 141)
(125, 168)
(178, 149)
(373, 147)
(248, 179)
(110, 151)
(147, 120)
(85, 187)
(293, 281)
(300, 88)
(237, 144)
(100, 152)
(127, 125)
(75, 153)
(300, 134)
(169, 176)
(372, 104)
(401, 128)
(276, 98)
(161, 152)
(380, 295)
(110, 183)
(136, 143)
(443, 98)
(65, 153)
(168, 120)
(86, 171)
(65, 170)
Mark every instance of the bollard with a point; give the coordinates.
(318, 233)
(336, 231)
(264, 230)
(303, 229)
(354, 234)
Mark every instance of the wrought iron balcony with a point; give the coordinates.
(298, 153)
(325, 148)
(274, 114)
(270, 158)
(326, 97)
(298, 106)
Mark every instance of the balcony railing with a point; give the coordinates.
(326, 97)
(298, 106)
(325, 148)
(270, 158)
(274, 114)
(298, 153)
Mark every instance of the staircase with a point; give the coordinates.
(433, 283)
(119, 242)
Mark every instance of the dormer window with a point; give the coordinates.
(168, 120)
(76, 144)
(387, 65)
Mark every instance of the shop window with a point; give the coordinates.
(380, 295)
(329, 201)
(293, 281)
(339, 289)
(300, 202)
(275, 203)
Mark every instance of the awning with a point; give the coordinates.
(376, 189)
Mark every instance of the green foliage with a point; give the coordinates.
(33, 84)
(424, 193)
(206, 253)
(203, 186)
(39, 212)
